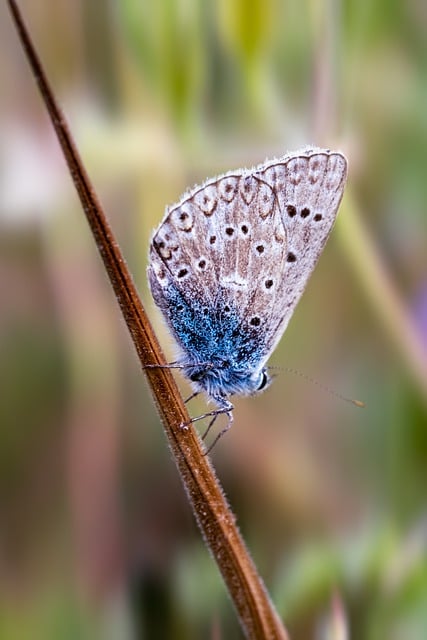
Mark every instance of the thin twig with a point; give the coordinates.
(256, 613)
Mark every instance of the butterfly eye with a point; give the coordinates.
(264, 381)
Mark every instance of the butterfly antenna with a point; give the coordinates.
(332, 392)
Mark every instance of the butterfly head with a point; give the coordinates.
(223, 378)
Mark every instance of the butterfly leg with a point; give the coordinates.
(169, 365)
(211, 423)
(221, 433)
(193, 395)
(226, 408)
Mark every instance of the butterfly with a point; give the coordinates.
(229, 263)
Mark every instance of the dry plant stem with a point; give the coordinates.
(256, 613)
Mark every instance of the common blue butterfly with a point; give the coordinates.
(230, 261)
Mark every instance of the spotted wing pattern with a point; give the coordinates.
(247, 242)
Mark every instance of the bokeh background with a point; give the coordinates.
(96, 537)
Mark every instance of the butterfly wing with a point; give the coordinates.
(241, 248)
(210, 255)
(309, 187)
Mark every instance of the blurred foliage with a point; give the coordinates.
(96, 539)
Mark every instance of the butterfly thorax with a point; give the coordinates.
(222, 378)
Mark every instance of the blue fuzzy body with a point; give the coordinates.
(220, 357)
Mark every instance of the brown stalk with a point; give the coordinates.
(256, 613)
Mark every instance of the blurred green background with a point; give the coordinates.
(96, 537)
